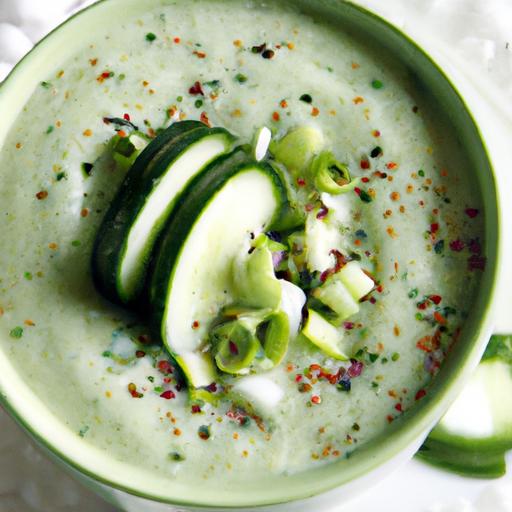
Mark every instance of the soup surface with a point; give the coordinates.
(415, 223)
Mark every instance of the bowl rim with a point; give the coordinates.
(405, 432)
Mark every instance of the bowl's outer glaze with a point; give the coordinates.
(123, 485)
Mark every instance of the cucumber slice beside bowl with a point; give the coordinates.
(192, 277)
(145, 201)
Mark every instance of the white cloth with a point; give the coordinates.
(476, 31)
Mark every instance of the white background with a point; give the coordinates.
(470, 33)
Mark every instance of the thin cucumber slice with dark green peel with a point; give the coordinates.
(145, 201)
(274, 334)
(331, 176)
(474, 435)
(191, 278)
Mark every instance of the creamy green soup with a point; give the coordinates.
(414, 222)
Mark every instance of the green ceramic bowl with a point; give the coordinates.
(130, 488)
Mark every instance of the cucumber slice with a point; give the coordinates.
(354, 278)
(235, 346)
(198, 368)
(329, 175)
(475, 433)
(297, 148)
(255, 282)
(274, 333)
(145, 201)
(125, 150)
(325, 336)
(192, 275)
(335, 295)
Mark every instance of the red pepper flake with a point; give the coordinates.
(471, 212)
(199, 55)
(140, 354)
(420, 394)
(316, 399)
(196, 89)
(122, 134)
(474, 246)
(195, 409)
(322, 213)
(195, 324)
(348, 325)
(168, 395)
(357, 100)
(204, 432)
(144, 339)
(87, 132)
(177, 432)
(53, 246)
(391, 165)
(476, 262)
(315, 112)
(372, 300)
(357, 190)
(355, 369)
(436, 299)
(422, 305)
(434, 227)
(164, 367)
(104, 76)
(84, 212)
(43, 194)
(365, 179)
(439, 318)
(390, 418)
(283, 104)
(457, 245)
(126, 117)
(301, 182)
(177, 40)
(298, 378)
(398, 407)
(204, 119)
(365, 163)
(132, 389)
(276, 116)
(93, 62)
(233, 349)
(376, 133)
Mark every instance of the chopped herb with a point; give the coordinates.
(16, 333)
(50, 129)
(179, 99)
(28, 276)
(198, 103)
(259, 49)
(46, 85)
(61, 175)
(213, 84)
(76, 243)
(418, 316)
(176, 456)
(377, 84)
(87, 169)
(421, 173)
(373, 357)
(150, 37)
(151, 378)
(122, 76)
(107, 353)
(395, 356)
(361, 233)
(330, 69)
(413, 293)
(365, 197)
(83, 431)
(241, 78)
(204, 432)
(306, 98)
(376, 152)
(384, 360)
(439, 247)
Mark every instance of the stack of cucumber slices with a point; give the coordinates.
(202, 237)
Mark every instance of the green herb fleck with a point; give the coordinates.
(418, 316)
(373, 357)
(241, 78)
(395, 356)
(151, 378)
(150, 37)
(107, 353)
(122, 76)
(179, 99)
(83, 431)
(306, 98)
(46, 85)
(76, 243)
(365, 197)
(377, 84)
(61, 175)
(198, 103)
(413, 293)
(421, 173)
(330, 69)
(16, 333)
(27, 276)
(158, 389)
(439, 247)
(384, 360)
(176, 456)
(49, 129)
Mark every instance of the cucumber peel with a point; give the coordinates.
(476, 432)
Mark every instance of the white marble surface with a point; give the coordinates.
(473, 34)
